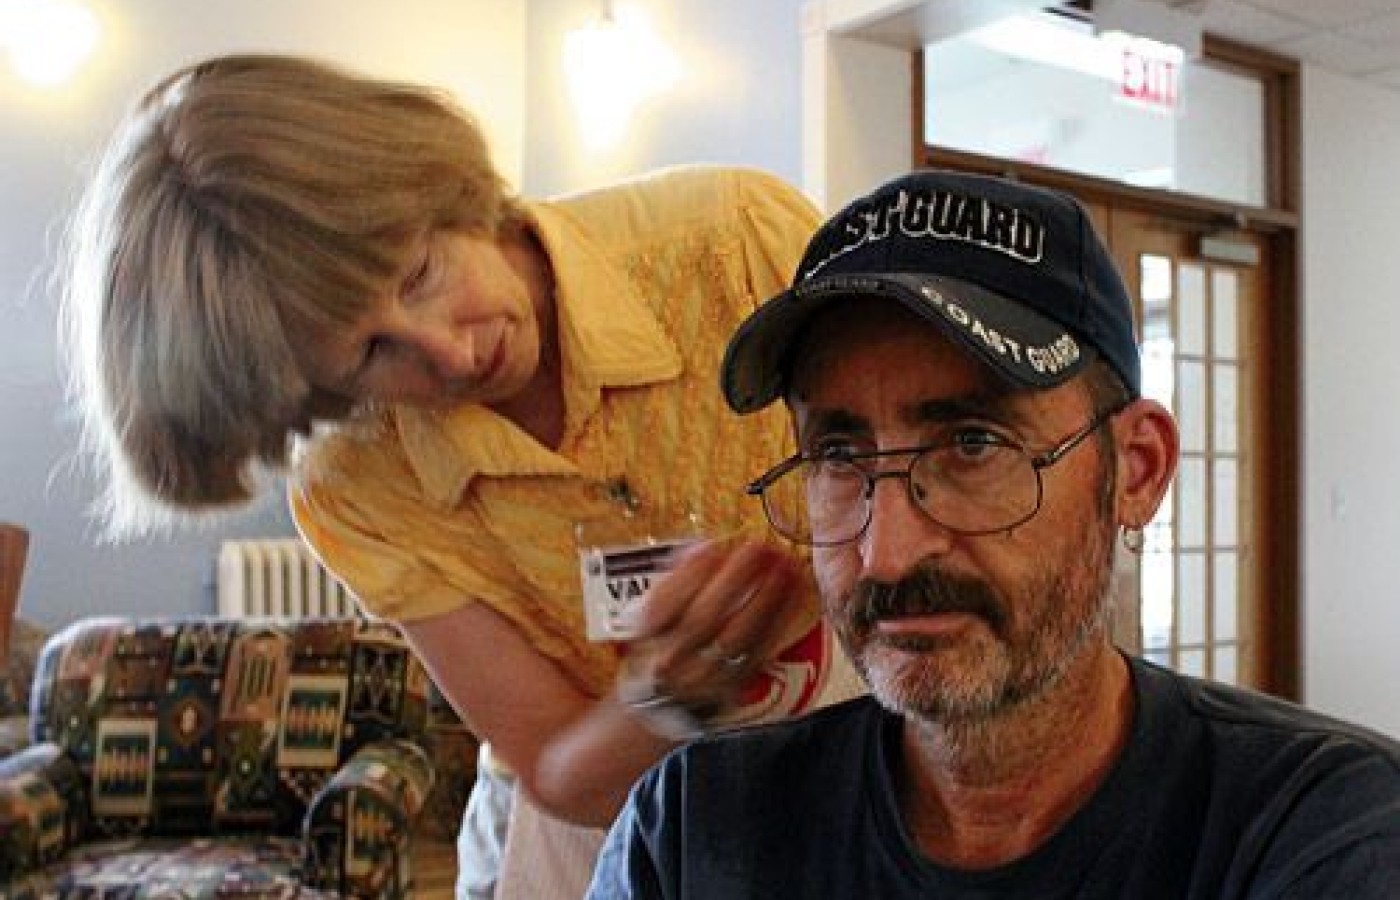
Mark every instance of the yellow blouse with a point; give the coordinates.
(422, 511)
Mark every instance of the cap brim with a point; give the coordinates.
(1026, 348)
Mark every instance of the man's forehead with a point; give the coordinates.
(849, 406)
(860, 327)
(997, 404)
(864, 339)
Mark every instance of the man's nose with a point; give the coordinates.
(900, 535)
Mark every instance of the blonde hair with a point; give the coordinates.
(243, 198)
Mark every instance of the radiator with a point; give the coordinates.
(278, 578)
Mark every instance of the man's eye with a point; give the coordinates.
(978, 443)
(838, 449)
(984, 437)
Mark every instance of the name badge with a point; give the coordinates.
(616, 578)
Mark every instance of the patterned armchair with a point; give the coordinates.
(205, 758)
(16, 678)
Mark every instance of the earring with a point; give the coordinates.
(1133, 539)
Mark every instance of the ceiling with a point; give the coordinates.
(1360, 38)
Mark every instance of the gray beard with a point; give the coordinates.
(1070, 606)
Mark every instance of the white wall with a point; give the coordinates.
(736, 100)
(1351, 363)
(474, 47)
(856, 126)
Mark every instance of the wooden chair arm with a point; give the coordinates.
(14, 550)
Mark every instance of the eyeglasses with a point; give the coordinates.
(975, 482)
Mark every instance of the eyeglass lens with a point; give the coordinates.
(973, 489)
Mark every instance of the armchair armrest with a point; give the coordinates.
(43, 808)
(356, 829)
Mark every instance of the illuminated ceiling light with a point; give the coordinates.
(613, 65)
(47, 40)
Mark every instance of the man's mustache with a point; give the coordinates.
(925, 591)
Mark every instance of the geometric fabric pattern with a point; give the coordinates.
(138, 869)
(208, 757)
(16, 677)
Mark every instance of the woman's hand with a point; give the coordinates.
(710, 623)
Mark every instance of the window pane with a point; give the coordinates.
(1159, 536)
(1225, 289)
(1191, 511)
(1158, 366)
(1158, 577)
(1191, 310)
(1156, 272)
(1225, 380)
(1227, 609)
(1191, 406)
(1226, 664)
(1191, 662)
(1044, 88)
(1191, 567)
(1159, 371)
(1225, 509)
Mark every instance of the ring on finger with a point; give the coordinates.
(715, 652)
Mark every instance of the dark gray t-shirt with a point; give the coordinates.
(1221, 794)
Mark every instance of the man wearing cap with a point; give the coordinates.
(958, 358)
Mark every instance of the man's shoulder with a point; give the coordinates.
(1237, 714)
(835, 731)
(745, 774)
(1306, 778)
(835, 722)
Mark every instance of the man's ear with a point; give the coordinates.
(1147, 451)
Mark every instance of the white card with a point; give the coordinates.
(615, 579)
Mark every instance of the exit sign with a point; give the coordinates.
(1150, 79)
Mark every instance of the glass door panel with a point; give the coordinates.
(1195, 574)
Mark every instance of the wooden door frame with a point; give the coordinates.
(1131, 235)
(1277, 349)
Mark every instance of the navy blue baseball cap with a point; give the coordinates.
(1014, 273)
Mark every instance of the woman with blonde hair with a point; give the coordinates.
(283, 266)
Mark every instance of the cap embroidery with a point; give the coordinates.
(939, 215)
(1054, 357)
(956, 314)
